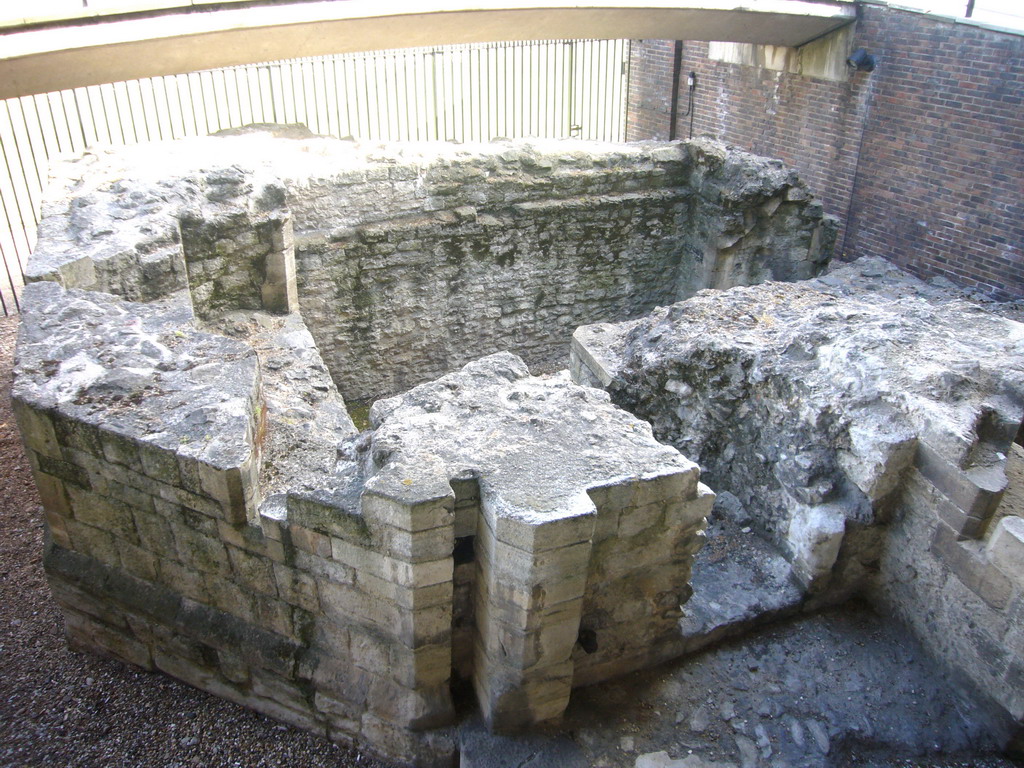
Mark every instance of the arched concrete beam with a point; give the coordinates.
(75, 53)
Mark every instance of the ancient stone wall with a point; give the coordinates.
(411, 262)
(213, 515)
(212, 510)
(861, 423)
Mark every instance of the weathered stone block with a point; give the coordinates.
(967, 562)
(87, 634)
(1005, 548)
(106, 513)
(296, 588)
(199, 551)
(252, 573)
(37, 430)
(94, 542)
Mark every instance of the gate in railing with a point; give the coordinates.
(557, 88)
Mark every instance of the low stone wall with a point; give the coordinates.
(212, 513)
(861, 423)
(412, 260)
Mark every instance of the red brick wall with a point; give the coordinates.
(930, 146)
(650, 89)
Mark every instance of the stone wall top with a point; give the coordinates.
(143, 371)
(536, 445)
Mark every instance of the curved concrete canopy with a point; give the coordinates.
(101, 50)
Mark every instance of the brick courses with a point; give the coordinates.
(929, 146)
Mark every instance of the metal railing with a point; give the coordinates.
(549, 89)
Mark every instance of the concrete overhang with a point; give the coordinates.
(102, 49)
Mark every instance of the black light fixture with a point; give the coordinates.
(861, 61)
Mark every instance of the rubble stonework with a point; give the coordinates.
(860, 422)
(214, 513)
(411, 260)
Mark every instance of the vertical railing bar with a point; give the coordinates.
(443, 92)
(171, 85)
(211, 95)
(165, 89)
(67, 119)
(131, 112)
(326, 99)
(309, 81)
(109, 113)
(391, 119)
(28, 139)
(305, 97)
(17, 202)
(192, 104)
(238, 97)
(466, 93)
(92, 93)
(351, 104)
(78, 112)
(518, 105)
(609, 83)
(366, 93)
(10, 280)
(602, 67)
(14, 291)
(411, 114)
(543, 97)
(337, 94)
(53, 122)
(21, 164)
(481, 83)
(142, 103)
(262, 74)
(34, 99)
(10, 277)
(403, 118)
(176, 80)
(383, 115)
(270, 85)
(78, 116)
(147, 113)
(156, 107)
(208, 98)
(7, 214)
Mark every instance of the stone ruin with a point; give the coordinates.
(197, 313)
(860, 422)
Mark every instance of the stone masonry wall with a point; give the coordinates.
(963, 596)
(410, 262)
(194, 527)
(861, 423)
(162, 555)
(514, 249)
(213, 512)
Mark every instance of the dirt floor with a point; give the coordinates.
(841, 689)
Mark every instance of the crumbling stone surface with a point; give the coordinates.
(583, 525)
(214, 514)
(127, 384)
(410, 261)
(862, 420)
